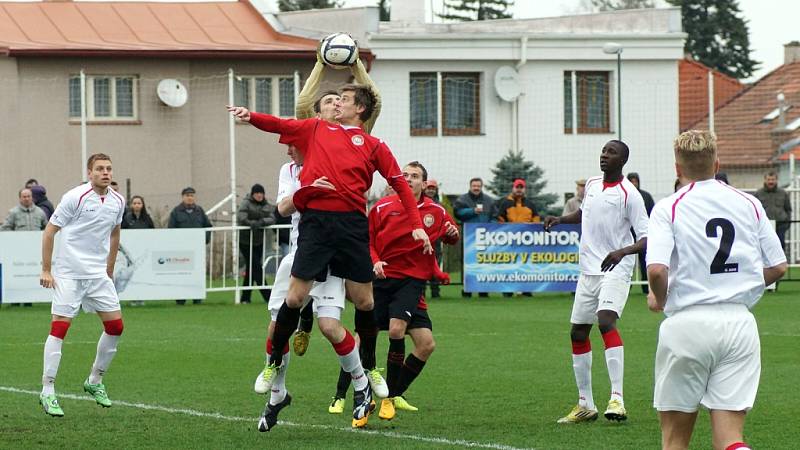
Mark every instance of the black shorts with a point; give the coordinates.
(398, 299)
(339, 240)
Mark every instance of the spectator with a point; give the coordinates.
(432, 191)
(254, 212)
(474, 206)
(26, 216)
(188, 214)
(31, 183)
(137, 217)
(516, 208)
(574, 203)
(777, 205)
(721, 176)
(40, 199)
(633, 177)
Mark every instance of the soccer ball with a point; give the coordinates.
(339, 50)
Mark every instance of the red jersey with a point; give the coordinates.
(347, 156)
(390, 237)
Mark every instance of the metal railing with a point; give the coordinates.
(224, 249)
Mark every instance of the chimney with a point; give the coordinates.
(791, 52)
(408, 11)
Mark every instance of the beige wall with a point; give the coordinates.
(171, 148)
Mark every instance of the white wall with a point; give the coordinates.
(650, 122)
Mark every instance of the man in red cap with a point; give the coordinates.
(517, 208)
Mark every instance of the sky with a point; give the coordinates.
(772, 23)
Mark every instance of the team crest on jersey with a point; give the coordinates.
(428, 220)
(357, 139)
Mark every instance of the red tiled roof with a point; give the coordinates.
(210, 29)
(743, 139)
(693, 95)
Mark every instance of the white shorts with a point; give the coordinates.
(94, 294)
(598, 292)
(707, 355)
(329, 295)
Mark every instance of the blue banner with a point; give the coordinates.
(520, 257)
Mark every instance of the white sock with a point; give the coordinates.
(52, 358)
(351, 363)
(582, 366)
(279, 385)
(106, 349)
(615, 361)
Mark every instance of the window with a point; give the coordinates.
(591, 104)
(459, 105)
(267, 94)
(108, 98)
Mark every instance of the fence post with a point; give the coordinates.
(83, 126)
(232, 144)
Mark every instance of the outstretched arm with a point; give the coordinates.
(362, 77)
(304, 108)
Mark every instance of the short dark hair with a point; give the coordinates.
(624, 147)
(475, 179)
(363, 97)
(32, 181)
(771, 173)
(319, 100)
(97, 157)
(419, 165)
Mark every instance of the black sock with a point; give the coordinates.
(343, 385)
(394, 364)
(368, 337)
(307, 318)
(285, 324)
(411, 370)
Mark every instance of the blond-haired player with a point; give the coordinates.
(711, 250)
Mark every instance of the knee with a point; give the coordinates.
(294, 301)
(113, 327)
(329, 329)
(397, 331)
(363, 302)
(579, 335)
(606, 321)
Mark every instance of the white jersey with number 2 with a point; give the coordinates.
(716, 241)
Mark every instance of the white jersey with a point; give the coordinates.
(608, 213)
(716, 241)
(86, 220)
(288, 184)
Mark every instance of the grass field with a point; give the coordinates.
(500, 377)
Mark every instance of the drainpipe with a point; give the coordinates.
(523, 59)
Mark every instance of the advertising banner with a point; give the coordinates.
(520, 257)
(159, 264)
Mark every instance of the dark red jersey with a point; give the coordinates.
(390, 237)
(347, 156)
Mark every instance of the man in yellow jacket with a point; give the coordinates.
(516, 208)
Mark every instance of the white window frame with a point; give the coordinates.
(275, 88)
(90, 110)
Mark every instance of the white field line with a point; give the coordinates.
(218, 416)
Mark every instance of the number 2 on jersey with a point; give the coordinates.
(718, 265)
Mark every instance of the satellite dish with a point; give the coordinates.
(506, 83)
(172, 92)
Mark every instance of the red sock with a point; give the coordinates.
(346, 346)
(581, 347)
(58, 328)
(612, 339)
(738, 446)
(269, 347)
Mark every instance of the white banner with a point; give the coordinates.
(161, 264)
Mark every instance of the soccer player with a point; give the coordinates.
(309, 105)
(333, 233)
(711, 250)
(89, 218)
(402, 271)
(611, 207)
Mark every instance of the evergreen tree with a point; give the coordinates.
(385, 7)
(613, 5)
(467, 10)
(300, 5)
(718, 36)
(512, 166)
